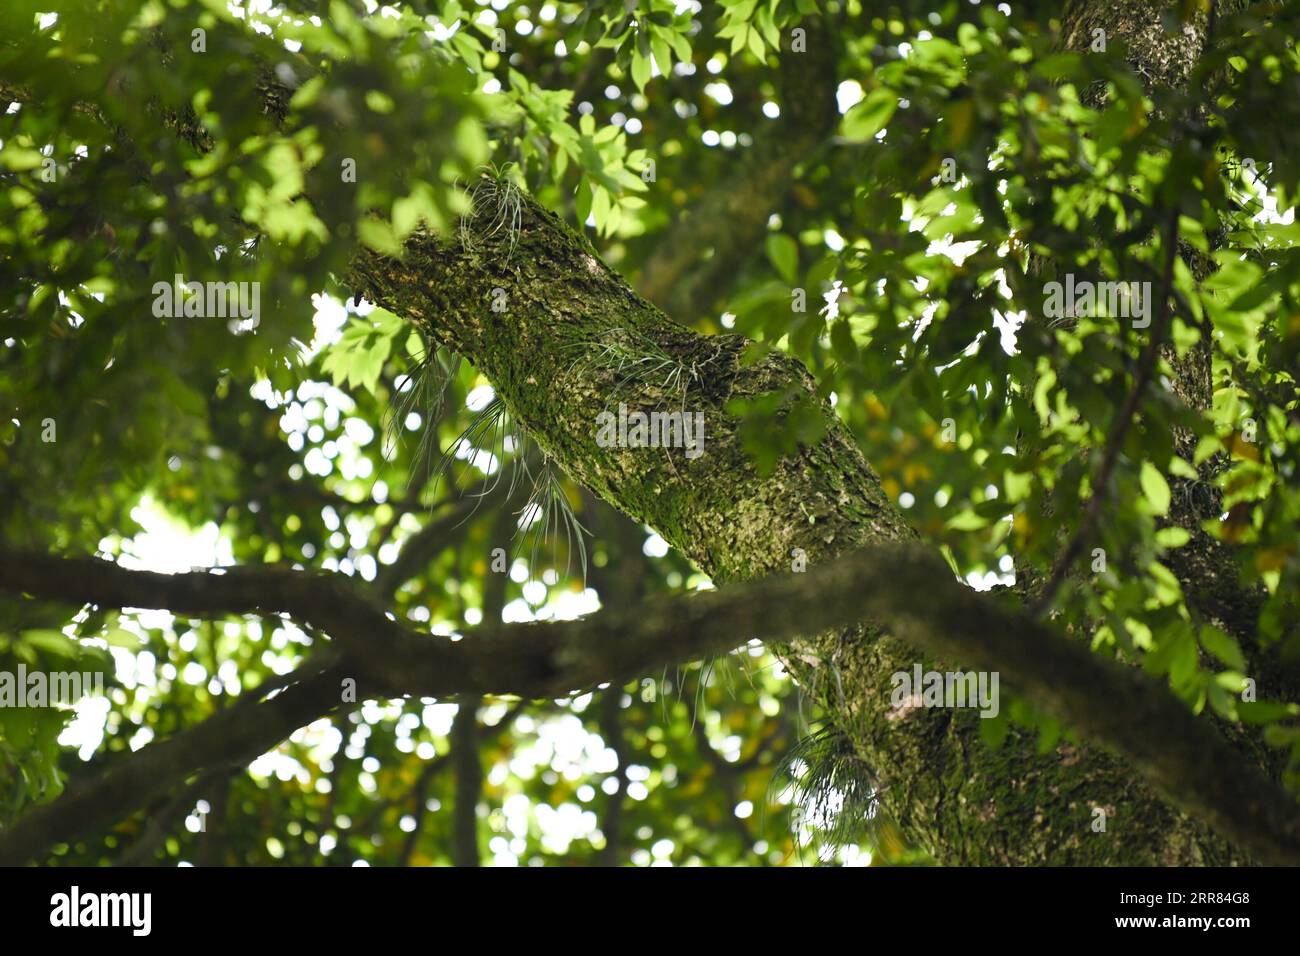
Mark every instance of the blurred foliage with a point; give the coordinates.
(975, 162)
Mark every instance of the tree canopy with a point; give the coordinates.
(552, 433)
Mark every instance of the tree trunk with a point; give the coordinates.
(547, 355)
(544, 319)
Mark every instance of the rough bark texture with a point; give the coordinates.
(1160, 738)
(548, 356)
(953, 796)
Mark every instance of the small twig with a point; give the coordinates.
(419, 795)
(160, 823)
(1123, 421)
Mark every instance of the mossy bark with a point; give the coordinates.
(957, 798)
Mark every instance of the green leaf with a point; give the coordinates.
(966, 520)
(1222, 646)
(583, 201)
(1258, 712)
(1155, 488)
(118, 637)
(1172, 537)
(662, 55)
(640, 70)
(20, 160)
(783, 251)
(681, 46)
(869, 117)
(379, 236)
(600, 207)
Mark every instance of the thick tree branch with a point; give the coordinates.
(620, 581)
(733, 522)
(1178, 753)
(468, 784)
(325, 600)
(737, 524)
(543, 355)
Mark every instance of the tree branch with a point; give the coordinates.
(1179, 754)
(468, 783)
(231, 737)
(564, 306)
(732, 522)
(440, 533)
(326, 600)
(1123, 421)
(160, 822)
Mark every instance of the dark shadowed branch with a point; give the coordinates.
(1181, 755)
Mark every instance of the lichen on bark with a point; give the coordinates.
(951, 794)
